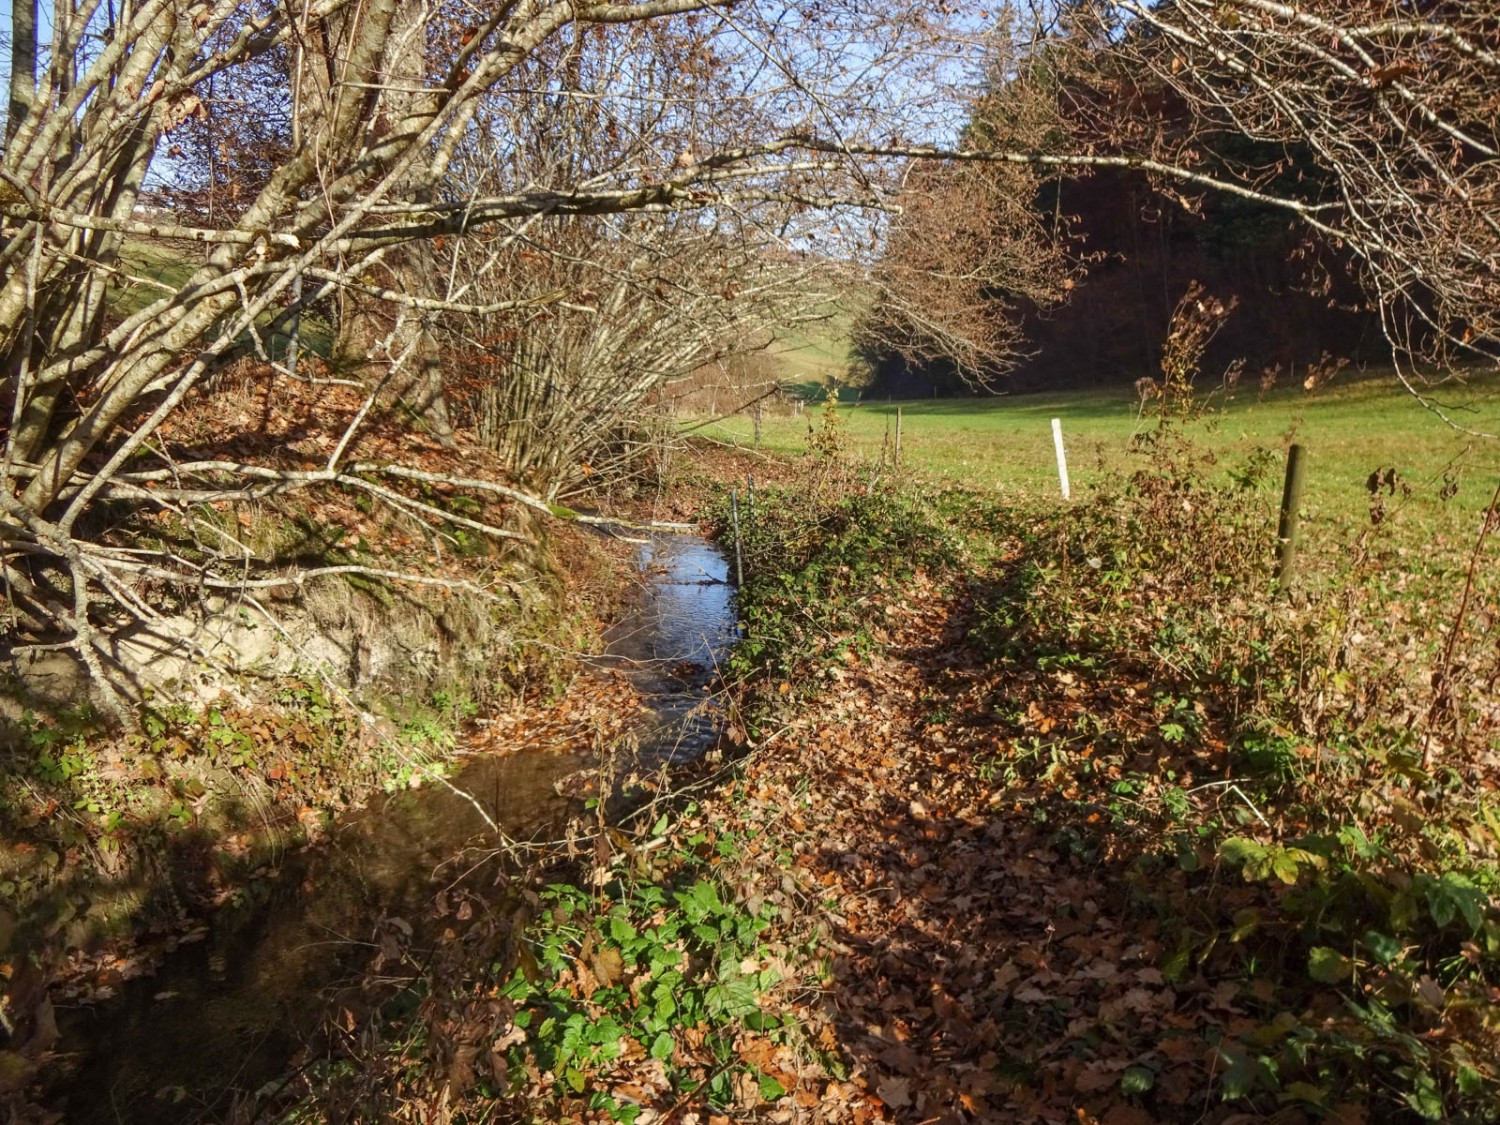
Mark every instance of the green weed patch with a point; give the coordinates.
(814, 567)
(644, 988)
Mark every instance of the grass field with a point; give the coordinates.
(152, 269)
(1349, 430)
(817, 352)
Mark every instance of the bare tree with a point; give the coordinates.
(970, 249)
(1374, 124)
(967, 253)
(353, 199)
(758, 118)
(622, 305)
(559, 394)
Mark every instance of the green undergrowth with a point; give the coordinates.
(662, 962)
(1296, 785)
(817, 562)
(637, 981)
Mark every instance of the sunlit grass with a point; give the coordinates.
(149, 271)
(1349, 430)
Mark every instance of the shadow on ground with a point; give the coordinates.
(1006, 947)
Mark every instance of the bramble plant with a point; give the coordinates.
(1282, 752)
(1154, 698)
(809, 560)
(632, 970)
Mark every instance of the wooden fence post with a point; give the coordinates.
(1286, 531)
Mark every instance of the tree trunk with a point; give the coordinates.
(22, 64)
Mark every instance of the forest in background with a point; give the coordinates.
(1307, 298)
(1144, 249)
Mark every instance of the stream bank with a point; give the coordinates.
(680, 970)
(230, 1013)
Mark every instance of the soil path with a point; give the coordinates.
(988, 962)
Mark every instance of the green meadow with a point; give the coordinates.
(1350, 429)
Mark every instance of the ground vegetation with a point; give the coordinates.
(1066, 813)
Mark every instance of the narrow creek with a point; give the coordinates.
(225, 1016)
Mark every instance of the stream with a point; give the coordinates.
(223, 1017)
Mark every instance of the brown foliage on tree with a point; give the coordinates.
(1372, 127)
(1396, 109)
(967, 251)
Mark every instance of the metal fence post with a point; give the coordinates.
(734, 518)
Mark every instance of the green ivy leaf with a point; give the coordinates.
(1284, 866)
(1424, 1097)
(621, 930)
(1353, 837)
(1175, 967)
(661, 1047)
(1239, 1075)
(1187, 857)
(1305, 1092)
(1238, 851)
(1246, 922)
(1387, 950)
(1329, 966)
(1443, 909)
(1469, 900)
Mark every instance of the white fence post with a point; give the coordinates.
(1062, 458)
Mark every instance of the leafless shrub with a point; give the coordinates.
(734, 385)
(1321, 372)
(1196, 320)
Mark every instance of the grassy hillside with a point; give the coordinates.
(150, 269)
(818, 351)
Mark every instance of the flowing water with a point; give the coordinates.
(223, 1017)
(672, 642)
